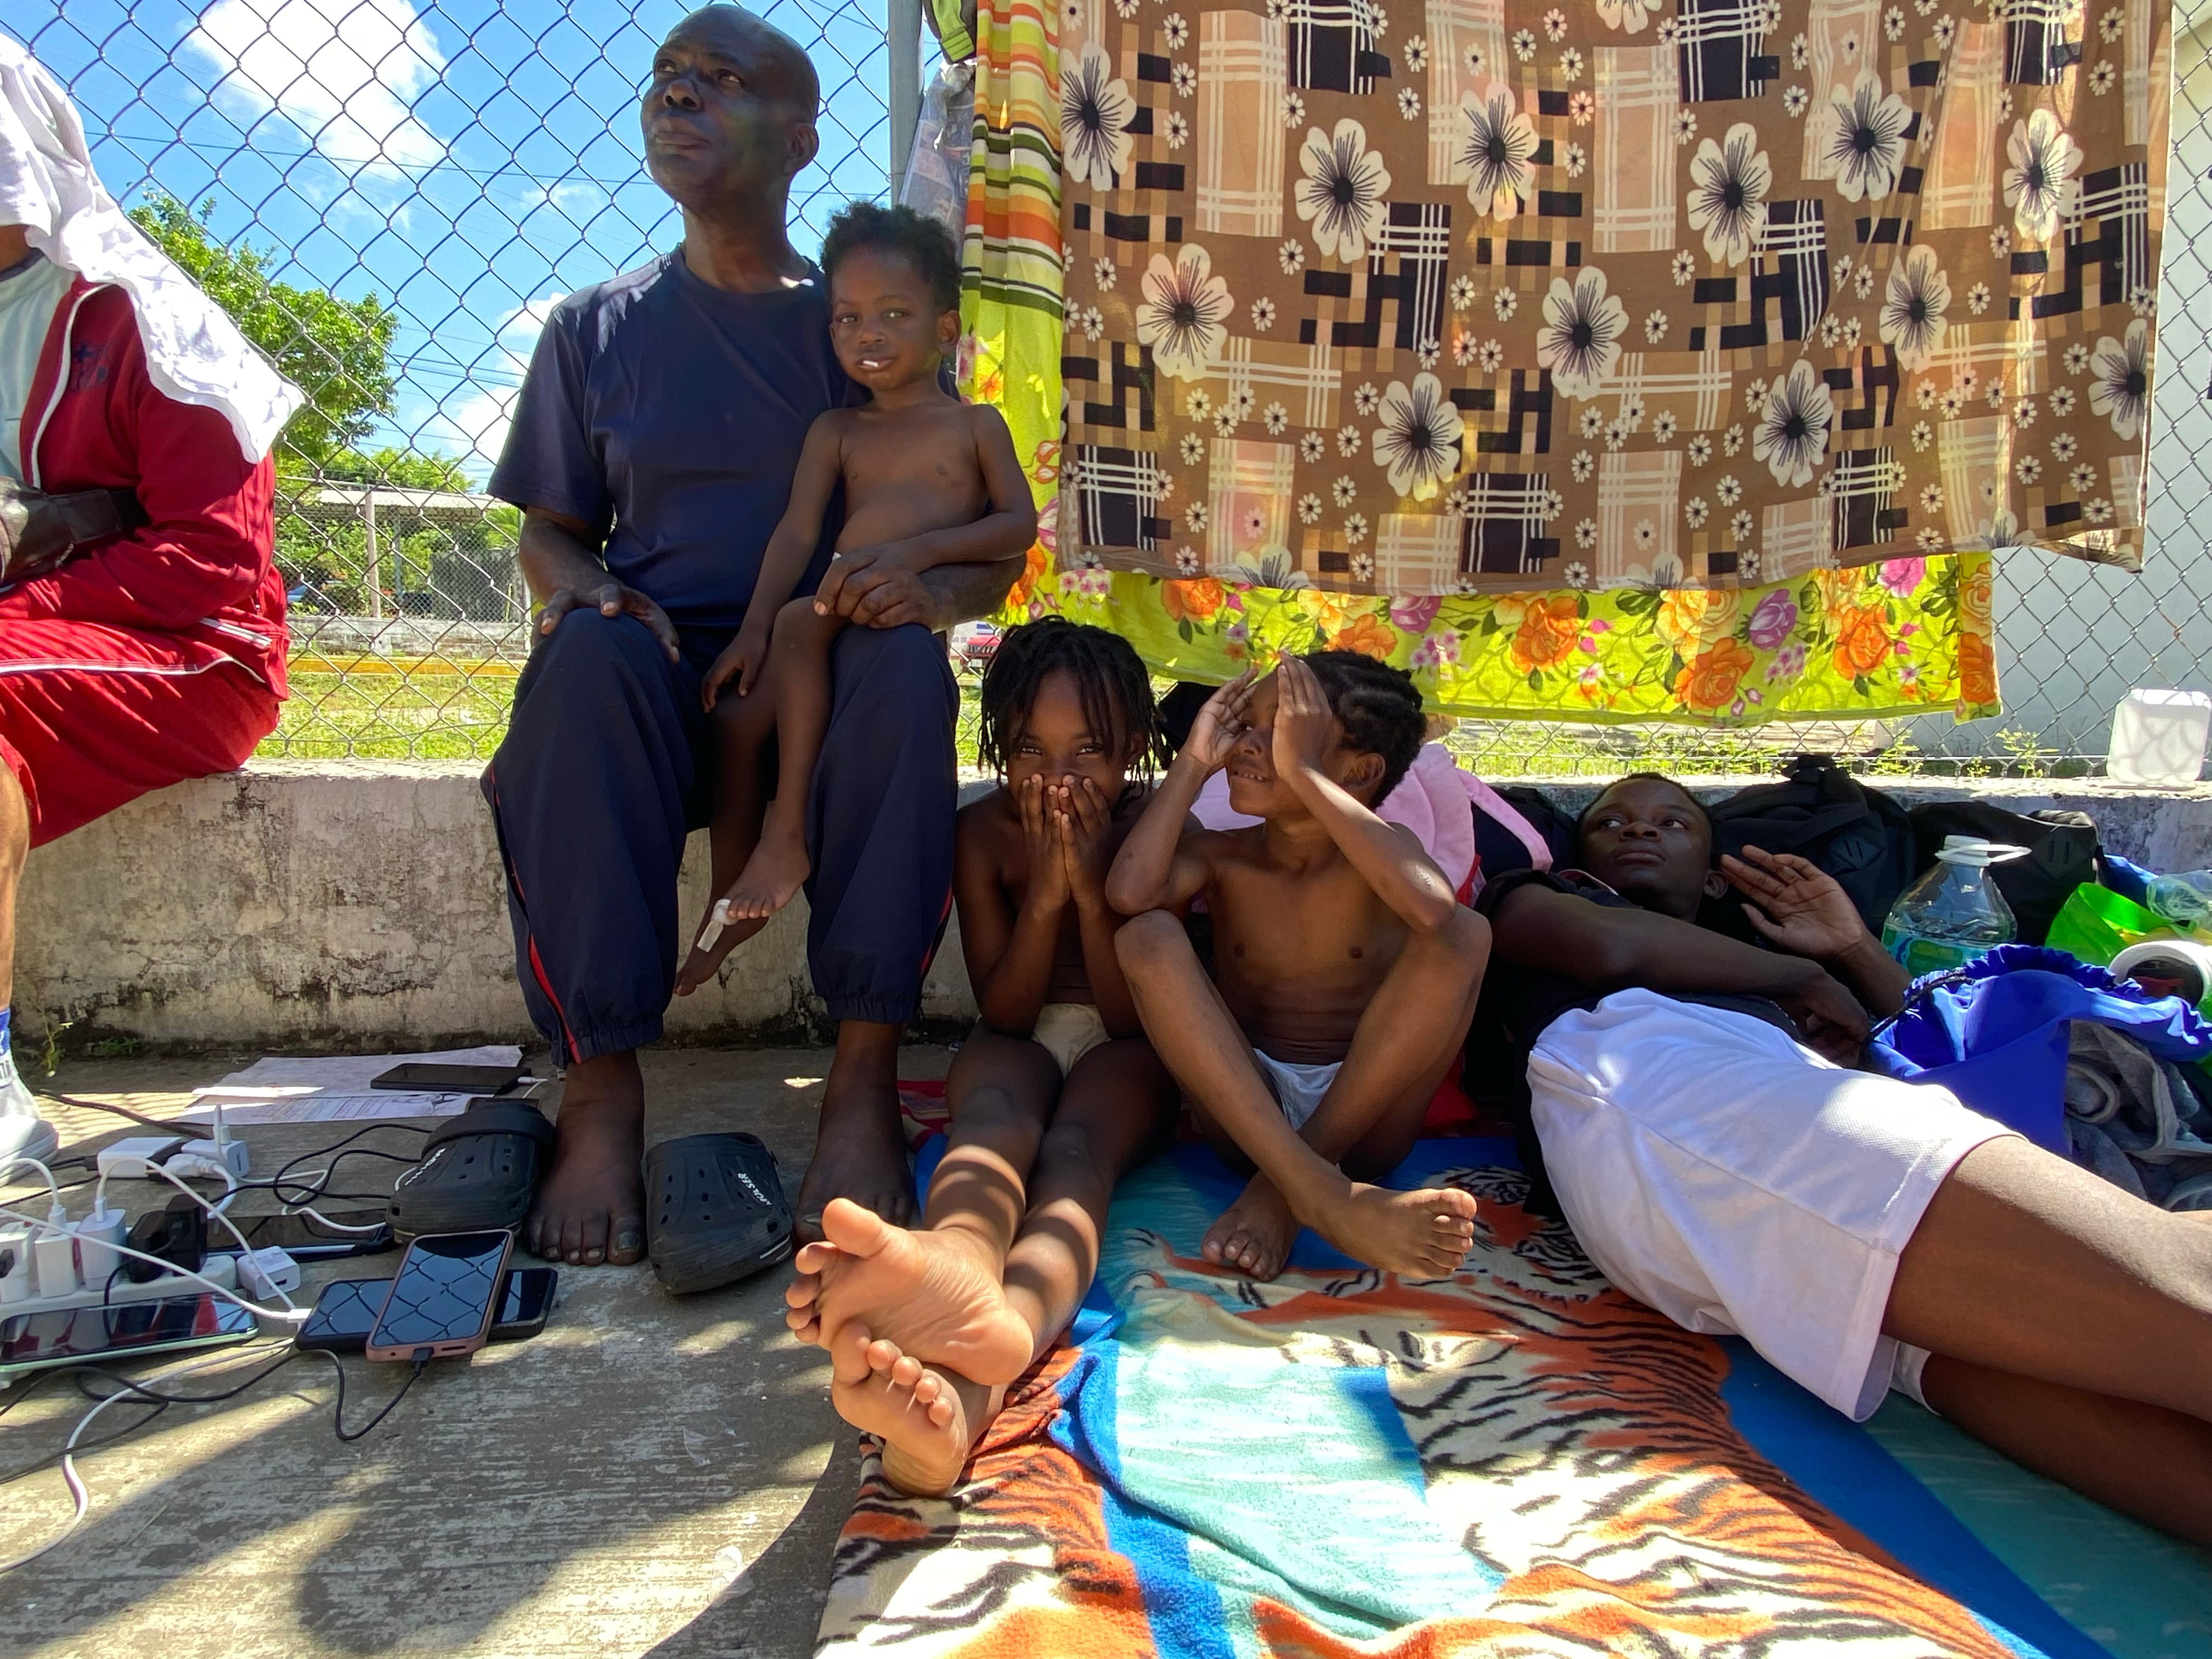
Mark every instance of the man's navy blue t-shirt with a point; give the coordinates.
(670, 413)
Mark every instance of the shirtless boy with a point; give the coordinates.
(1345, 972)
(1054, 1095)
(927, 480)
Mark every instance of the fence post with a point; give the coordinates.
(903, 22)
(369, 553)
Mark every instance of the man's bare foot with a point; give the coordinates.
(928, 1421)
(936, 1294)
(591, 1207)
(1424, 1234)
(860, 1150)
(1254, 1234)
(776, 871)
(702, 964)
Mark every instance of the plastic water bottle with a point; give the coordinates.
(1954, 913)
(2184, 900)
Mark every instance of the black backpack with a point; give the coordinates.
(1500, 850)
(2063, 853)
(1859, 836)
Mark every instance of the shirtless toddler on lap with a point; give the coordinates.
(1345, 972)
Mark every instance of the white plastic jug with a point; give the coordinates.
(2158, 738)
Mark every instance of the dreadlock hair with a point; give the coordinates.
(921, 240)
(1109, 678)
(1378, 708)
(1675, 784)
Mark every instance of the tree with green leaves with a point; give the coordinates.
(336, 351)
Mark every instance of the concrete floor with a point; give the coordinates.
(648, 1476)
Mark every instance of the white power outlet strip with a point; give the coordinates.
(222, 1269)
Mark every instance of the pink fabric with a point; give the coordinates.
(1435, 800)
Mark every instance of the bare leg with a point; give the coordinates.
(860, 1150)
(745, 734)
(592, 1205)
(799, 656)
(2144, 1461)
(2024, 1263)
(1119, 1104)
(1423, 1233)
(1411, 1035)
(936, 1291)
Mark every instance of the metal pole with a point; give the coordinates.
(368, 548)
(902, 20)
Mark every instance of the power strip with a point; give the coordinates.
(222, 1269)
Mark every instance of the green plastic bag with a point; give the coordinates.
(2095, 924)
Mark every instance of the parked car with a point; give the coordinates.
(974, 645)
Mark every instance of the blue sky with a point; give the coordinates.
(469, 161)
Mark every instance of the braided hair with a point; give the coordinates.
(1378, 708)
(1109, 678)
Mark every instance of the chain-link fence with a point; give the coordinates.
(391, 195)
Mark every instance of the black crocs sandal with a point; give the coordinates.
(478, 1172)
(716, 1212)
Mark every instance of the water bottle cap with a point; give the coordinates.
(1973, 849)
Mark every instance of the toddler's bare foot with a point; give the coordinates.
(927, 1420)
(936, 1294)
(720, 932)
(776, 871)
(1254, 1234)
(1424, 1234)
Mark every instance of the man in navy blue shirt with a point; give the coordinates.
(651, 452)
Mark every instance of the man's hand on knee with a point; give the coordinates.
(611, 599)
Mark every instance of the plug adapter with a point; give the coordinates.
(268, 1270)
(97, 1235)
(53, 1259)
(224, 1154)
(135, 1158)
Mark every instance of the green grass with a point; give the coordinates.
(460, 716)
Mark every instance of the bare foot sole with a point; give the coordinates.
(928, 1421)
(1254, 1234)
(776, 872)
(702, 963)
(1424, 1234)
(860, 1154)
(591, 1207)
(935, 1294)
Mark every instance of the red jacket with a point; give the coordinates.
(201, 568)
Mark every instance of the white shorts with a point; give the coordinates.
(1298, 1089)
(1741, 1184)
(1067, 1031)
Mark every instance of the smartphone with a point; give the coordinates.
(346, 1308)
(30, 1342)
(424, 1078)
(443, 1296)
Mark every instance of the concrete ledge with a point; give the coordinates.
(331, 904)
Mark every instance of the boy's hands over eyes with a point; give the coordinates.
(1082, 812)
(1049, 891)
(1799, 906)
(1220, 722)
(1304, 725)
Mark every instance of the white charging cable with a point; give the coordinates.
(80, 1499)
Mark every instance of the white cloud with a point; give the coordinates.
(472, 420)
(345, 72)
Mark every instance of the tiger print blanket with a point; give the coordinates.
(1519, 1461)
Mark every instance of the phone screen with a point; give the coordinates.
(459, 1079)
(444, 1292)
(30, 1340)
(347, 1308)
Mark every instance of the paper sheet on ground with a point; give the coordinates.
(287, 1088)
